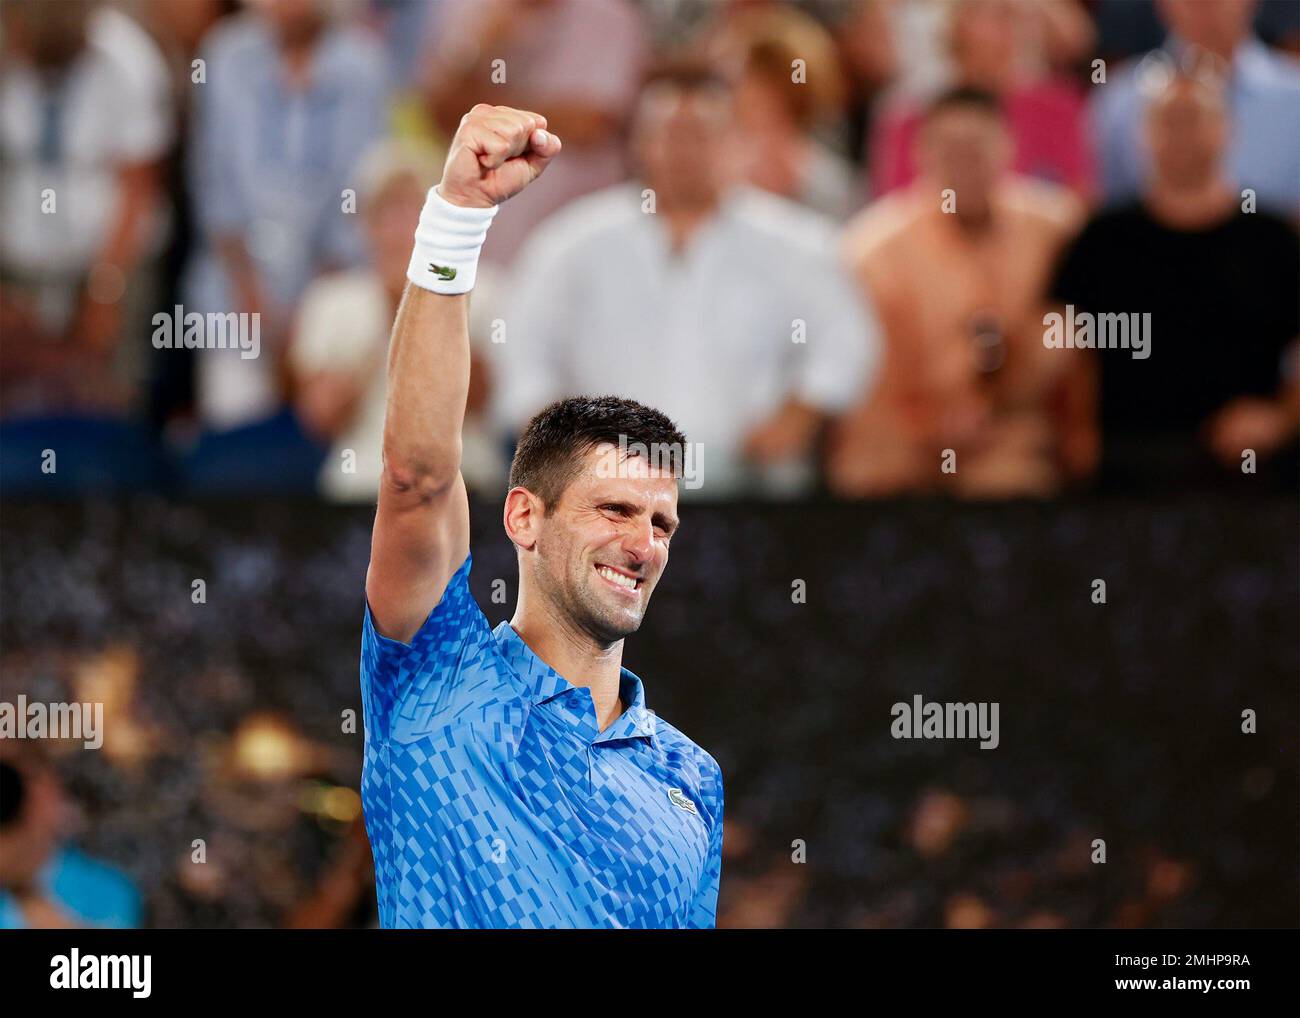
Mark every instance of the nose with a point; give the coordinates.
(638, 540)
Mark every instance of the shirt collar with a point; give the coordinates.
(544, 683)
(1252, 62)
(731, 208)
(637, 719)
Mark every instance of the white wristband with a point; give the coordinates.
(447, 243)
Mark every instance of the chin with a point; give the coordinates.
(620, 626)
(614, 624)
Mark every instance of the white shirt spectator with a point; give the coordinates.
(600, 305)
(269, 163)
(343, 325)
(111, 109)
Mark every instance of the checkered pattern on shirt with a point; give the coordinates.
(492, 799)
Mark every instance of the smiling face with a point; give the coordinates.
(682, 141)
(595, 557)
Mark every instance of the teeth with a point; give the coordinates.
(619, 578)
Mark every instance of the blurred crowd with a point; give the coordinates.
(824, 236)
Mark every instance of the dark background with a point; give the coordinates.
(1119, 721)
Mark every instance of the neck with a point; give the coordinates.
(1190, 206)
(972, 223)
(1225, 47)
(296, 50)
(574, 653)
(683, 220)
(997, 79)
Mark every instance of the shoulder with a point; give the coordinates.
(696, 763)
(1042, 205)
(340, 311)
(1269, 228)
(237, 38)
(769, 218)
(1274, 71)
(591, 219)
(453, 645)
(344, 291)
(881, 226)
(1119, 98)
(97, 891)
(1119, 221)
(130, 47)
(1048, 98)
(351, 52)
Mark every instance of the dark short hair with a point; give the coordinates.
(964, 96)
(550, 451)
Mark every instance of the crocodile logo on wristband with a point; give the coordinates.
(444, 272)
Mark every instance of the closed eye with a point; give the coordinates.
(664, 526)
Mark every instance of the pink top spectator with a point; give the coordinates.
(1047, 121)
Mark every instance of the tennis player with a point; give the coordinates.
(514, 777)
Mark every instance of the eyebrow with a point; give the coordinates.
(660, 519)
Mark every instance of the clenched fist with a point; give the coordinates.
(496, 153)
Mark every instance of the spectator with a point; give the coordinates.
(179, 30)
(956, 266)
(714, 301)
(1263, 104)
(45, 883)
(291, 97)
(84, 123)
(1219, 285)
(339, 352)
(999, 46)
(578, 61)
(869, 55)
(789, 84)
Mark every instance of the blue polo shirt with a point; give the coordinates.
(493, 800)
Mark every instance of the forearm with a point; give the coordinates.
(137, 196)
(428, 383)
(240, 269)
(421, 533)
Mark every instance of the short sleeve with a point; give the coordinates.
(140, 86)
(842, 348)
(333, 332)
(397, 678)
(704, 909)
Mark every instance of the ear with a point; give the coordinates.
(521, 517)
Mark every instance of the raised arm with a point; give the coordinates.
(421, 533)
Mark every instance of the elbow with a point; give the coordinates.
(421, 478)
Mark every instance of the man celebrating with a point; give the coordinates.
(514, 777)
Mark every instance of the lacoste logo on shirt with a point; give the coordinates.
(676, 797)
(443, 272)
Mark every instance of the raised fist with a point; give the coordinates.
(496, 153)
